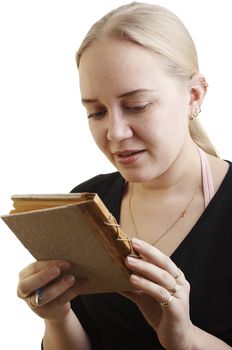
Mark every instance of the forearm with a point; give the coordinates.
(205, 341)
(68, 335)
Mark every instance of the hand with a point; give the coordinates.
(158, 281)
(53, 301)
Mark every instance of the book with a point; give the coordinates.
(76, 227)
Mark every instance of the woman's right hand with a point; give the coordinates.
(55, 293)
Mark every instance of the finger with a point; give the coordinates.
(60, 303)
(51, 299)
(38, 266)
(72, 292)
(38, 280)
(53, 291)
(152, 272)
(155, 256)
(149, 288)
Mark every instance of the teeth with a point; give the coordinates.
(127, 154)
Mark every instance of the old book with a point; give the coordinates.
(78, 228)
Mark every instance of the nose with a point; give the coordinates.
(118, 128)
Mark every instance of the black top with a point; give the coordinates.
(114, 322)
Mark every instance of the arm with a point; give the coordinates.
(67, 334)
(204, 340)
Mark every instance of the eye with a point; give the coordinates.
(138, 109)
(97, 115)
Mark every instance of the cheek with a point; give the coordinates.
(164, 129)
(99, 135)
(151, 129)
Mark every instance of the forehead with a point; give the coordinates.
(118, 66)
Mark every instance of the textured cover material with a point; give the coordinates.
(84, 233)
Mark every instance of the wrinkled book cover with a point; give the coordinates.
(78, 228)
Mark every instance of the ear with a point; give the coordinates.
(197, 91)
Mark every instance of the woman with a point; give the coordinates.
(141, 86)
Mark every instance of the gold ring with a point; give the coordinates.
(167, 302)
(38, 299)
(175, 289)
(178, 274)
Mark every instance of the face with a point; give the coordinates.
(137, 113)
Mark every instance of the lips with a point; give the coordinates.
(127, 157)
(126, 153)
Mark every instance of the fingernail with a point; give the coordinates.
(135, 278)
(54, 271)
(132, 260)
(69, 280)
(64, 264)
(136, 242)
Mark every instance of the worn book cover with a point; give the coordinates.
(78, 228)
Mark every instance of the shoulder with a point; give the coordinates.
(221, 171)
(100, 183)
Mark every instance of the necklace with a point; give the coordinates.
(181, 215)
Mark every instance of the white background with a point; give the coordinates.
(45, 145)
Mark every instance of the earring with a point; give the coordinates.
(195, 115)
(204, 83)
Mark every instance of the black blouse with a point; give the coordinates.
(114, 322)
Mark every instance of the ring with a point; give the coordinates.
(175, 289)
(179, 272)
(38, 299)
(167, 302)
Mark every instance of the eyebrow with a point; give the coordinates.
(126, 94)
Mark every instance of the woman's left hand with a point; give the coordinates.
(162, 295)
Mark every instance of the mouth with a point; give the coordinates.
(127, 153)
(128, 156)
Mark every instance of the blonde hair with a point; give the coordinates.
(159, 30)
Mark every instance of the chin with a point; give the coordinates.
(137, 176)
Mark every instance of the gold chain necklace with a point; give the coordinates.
(182, 214)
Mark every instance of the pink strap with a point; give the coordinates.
(207, 178)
